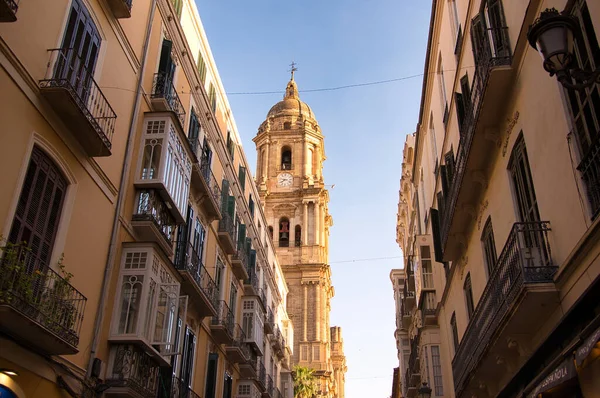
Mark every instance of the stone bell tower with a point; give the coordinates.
(289, 176)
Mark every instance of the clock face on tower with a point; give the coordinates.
(285, 179)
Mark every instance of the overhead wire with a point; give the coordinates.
(365, 259)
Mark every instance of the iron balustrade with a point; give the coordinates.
(210, 179)
(525, 259)
(188, 259)
(227, 225)
(8, 10)
(262, 374)
(239, 338)
(151, 207)
(241, 255)
(252, 279)
(413, 363)
(487, 58)
(133, 368)
(32, 288)
(67, 70)
(180, 390)
(224, 317)
(270, 385)
(270, 318)
(162, 87)
(262, 293)
(589, 167)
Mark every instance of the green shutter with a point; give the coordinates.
(242, 177)
(252, 259)
(231, 206)
(201, 67)
(241, 236)
(224, 195)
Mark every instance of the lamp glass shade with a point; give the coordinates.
(555, 45)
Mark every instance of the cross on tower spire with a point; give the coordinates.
(294, 69)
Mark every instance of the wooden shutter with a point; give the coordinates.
(449, 160)
(224, 195)
(211, 375)
(241, 236)
(39, 207)
(478, 39)
(437, 237)
(242, 177)
(231, 206)
(460, 110)
(444, 179)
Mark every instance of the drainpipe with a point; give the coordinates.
(112, 248)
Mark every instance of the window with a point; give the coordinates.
(298, 236)
(201, 65)
(194, 130)
(442, 85)
(211, 375)
(230, 145)
(426, 361)
(426, 267)
(522, 182)
(304, 353)
(489, 247)
(438, 386)
(489, 33)
(79, 49)
(233, 299)
(248, 324)
(219, 276)
(286, 158)
(187, 360)
(242, 177)
(166, 69)
(212, 97)
(316, 353)
(251, 207)
(206, 160)
(39, 207)
(463, 105)
(287, 125)
(284, 232)
(467, 288)
(433, 144)
(454, 21)
(454, 331)
(198, 238)
(450, 165)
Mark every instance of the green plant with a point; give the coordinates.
(17, 280)
(304, 382)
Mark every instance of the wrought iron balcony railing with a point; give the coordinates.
(488, 56)
(162, 88)
(179, 389)
(134, 369)
(67, 71)
(224, 317)
(121, 8)
(188, 259)
(40, 295)
(589, 168)
(8, 10)
(525, 259)
(252, 280)
(269, 321)
(151, 207)
(211, 181)
(269, 389)
(262, 375)
(227, 225)
(241, 255)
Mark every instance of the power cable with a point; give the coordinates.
(365, 259)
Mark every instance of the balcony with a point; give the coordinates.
(483, 113)
(411, 388)
(269, 321)
(277, 342)
(222, 325)
(238, 351)
(239, 262)
(590, 174)
(8, 10)
(196, 280)
(226, 233)
(409, 299)
(520, 296)
(262, 377)
(207, 189)
(152, 221)
(120, 8)
(70, 89)
(428, 306)
(251, 284)
(180, 390)
(39, 307)
(131, 373)
(414, 362)
(269, 391)
(164, 97)
(247, 390)
(249, 369)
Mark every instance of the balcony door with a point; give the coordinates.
(524, 192)
(166, 69)
(187, 360)
(80, 46)
(39, 207)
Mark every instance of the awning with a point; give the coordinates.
(585, 349)
(563, 372)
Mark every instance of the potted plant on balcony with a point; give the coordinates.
(57, 304)
(18, 280)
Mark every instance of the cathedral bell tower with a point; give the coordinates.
(290, 149)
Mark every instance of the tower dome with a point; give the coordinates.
(291, 104)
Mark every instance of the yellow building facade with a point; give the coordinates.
(135, 246)
(499, 202)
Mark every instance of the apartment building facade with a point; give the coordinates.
(134, 240)
(504, 186)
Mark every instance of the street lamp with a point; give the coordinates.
(424, 391)
(552, 34)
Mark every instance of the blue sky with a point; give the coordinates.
(336, 43)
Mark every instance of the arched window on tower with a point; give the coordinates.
(286, 158)
(287, 125)
(284, 232)
(298, 236)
